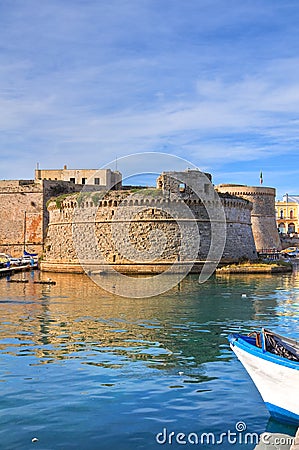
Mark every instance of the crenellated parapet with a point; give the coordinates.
(129, 199)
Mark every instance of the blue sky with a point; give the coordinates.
(212, 81)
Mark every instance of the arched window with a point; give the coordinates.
(282, 228)
(291, 228)
(291, 214)
(281, 213)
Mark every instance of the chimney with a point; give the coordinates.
(65, 167)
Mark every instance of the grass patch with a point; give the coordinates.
(261, 263)
(256, 267)
(58, 200)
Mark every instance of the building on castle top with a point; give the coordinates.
(187, 183)
(101, 178)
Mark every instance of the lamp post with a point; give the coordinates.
(25, 216)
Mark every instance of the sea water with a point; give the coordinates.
(83, 369)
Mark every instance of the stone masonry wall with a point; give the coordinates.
(126, 230)
(20, 203)
(24, 215)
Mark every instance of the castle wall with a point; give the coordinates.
(263, 214)
(146, 220)
(21, 211)
(24, 215)
(140, 234)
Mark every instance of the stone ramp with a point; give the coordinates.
(295, 445)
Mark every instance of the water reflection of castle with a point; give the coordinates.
(185, 327)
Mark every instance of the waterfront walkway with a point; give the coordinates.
(7, 271)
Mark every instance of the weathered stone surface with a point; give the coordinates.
(148, 230)
(24, 214)
(263, 215)
(174, 223)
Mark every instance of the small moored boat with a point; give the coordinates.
(272, 361)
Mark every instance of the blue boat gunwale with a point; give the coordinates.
(247, 344)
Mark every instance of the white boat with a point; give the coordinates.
(272, 361)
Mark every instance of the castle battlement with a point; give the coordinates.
(124, 200)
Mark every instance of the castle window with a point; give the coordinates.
(83, 181)
(72, 180)
(182, 187)
(96, 181)
(114, 258)
(281, 214)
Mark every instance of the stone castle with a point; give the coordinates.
(134, 230)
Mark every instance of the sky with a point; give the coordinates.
(215, 82)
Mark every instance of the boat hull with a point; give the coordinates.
(277, 380)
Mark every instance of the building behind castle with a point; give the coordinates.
(287, 215)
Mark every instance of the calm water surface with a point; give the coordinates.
(82, 369)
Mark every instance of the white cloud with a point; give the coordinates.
(86, 80)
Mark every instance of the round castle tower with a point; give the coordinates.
(263, 219)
